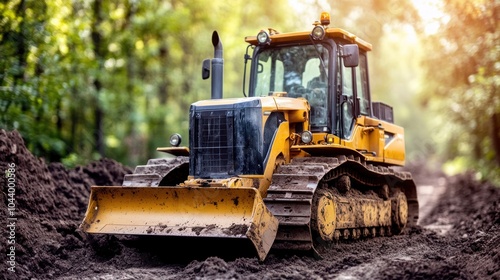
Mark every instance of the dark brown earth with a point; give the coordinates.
(459, 238)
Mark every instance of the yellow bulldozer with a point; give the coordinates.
(304, 159)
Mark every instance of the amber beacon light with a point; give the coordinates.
(325, 18)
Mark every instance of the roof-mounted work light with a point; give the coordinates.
(263, 38)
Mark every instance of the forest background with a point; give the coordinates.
(85, 79)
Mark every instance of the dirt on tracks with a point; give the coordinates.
(459, 238)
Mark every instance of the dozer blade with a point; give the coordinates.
(175, 211)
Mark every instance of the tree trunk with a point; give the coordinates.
(21, 52)
(163, 85)
(133, 141)
(495, 136)
(74, 120)
(99, 56)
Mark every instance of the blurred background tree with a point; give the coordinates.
(83, 79)
(462, 86)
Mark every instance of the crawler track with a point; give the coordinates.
(159, 172)
(296, 186)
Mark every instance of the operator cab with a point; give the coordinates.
(322, 66)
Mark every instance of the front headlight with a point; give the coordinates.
(306, 137)
(175, 140)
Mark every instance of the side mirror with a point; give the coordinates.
(205, 69)
(350, 55)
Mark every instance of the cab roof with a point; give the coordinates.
(330, 32)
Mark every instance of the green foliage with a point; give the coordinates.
(463, 81)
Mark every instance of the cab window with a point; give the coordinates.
(298, 71)
(362, 85)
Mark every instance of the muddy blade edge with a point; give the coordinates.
(185, 212)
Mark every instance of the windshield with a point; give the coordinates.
(298, 71)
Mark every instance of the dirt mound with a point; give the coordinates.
(49, 204)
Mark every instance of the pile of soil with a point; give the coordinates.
(51, 202)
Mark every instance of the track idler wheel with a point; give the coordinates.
(324, 215)
(399, 209)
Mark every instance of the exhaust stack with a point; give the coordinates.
(217, 64)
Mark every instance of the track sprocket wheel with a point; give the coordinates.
(324, 215)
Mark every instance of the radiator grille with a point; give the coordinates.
(215, 142)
